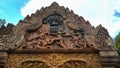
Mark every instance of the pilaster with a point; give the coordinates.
(109, 59)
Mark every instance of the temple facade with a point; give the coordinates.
(55, 37)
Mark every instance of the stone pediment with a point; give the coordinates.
(55, 37)
(56, 27)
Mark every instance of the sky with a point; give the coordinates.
(10, 10)
(105, 12)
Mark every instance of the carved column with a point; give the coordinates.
(3, 59)
(109, 59)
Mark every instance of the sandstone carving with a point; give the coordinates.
(57, 28)
(52, 30)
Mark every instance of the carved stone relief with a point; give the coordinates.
(73, 64)
(54, 60)
(103, 40)
(33, 64)
(54, 33)
(53, 28)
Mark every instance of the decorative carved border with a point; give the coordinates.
(55, 59)
(62, 50)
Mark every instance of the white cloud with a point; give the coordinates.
(96, 11)
(32, 5)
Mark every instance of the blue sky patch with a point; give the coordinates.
(11, 10)
(117, 14)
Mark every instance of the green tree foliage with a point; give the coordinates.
(2, 22)
(117, 41)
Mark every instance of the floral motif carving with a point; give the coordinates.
(55, 60)
(73, 64)
(33, 64)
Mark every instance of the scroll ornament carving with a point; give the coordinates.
(73, 64)
(33, 64)
(38, 64)
(54, 60)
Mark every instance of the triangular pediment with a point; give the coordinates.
(56, 27)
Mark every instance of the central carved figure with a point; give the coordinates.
(56, 23)
(56, 32)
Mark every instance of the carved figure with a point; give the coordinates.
(56, 23)
(79, 41)
(56, 33)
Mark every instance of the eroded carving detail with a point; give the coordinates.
(103, 39)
